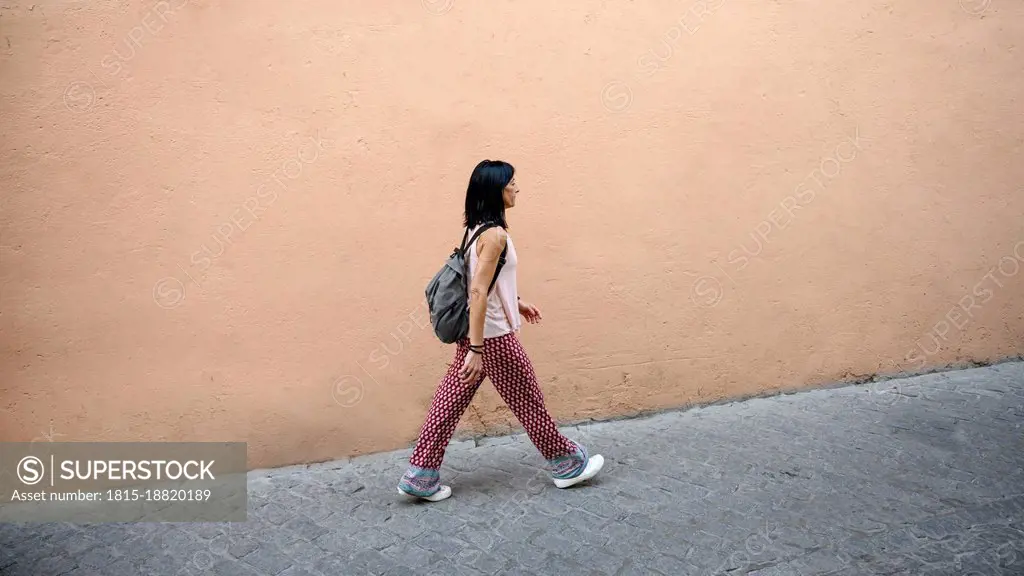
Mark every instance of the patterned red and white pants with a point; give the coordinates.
(506, 364)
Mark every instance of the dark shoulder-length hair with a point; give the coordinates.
(485, 201)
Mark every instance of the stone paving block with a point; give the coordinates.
(824, 561)
(28, 554)
(374, 538)
(76, 543)
(499, 441)
(602, 509)
(662, 562)
(232, 568)
(405, 528)
(273, 513)
(99, 557)
(161, 563)
(417, 558)
(940, 527)
(79, 571)
(640, 520)
(893, 564)
(121, 567)
(527, 557)
(1013, 506)
(370, 514)
(7, 556)
(321, 511)
(340, 522)
(301, 551)
(268, 559)
(978, 563)
(587, 535)
(242, 546)
(55, 565)
(777, 570)
(934, 553)
(201, 530)
(632, 568)
(599, 561)
(372, 562)
(558, 564)
(333, 563)
(556, 544)
(441, 520)
(517, 571)
(304, 528)
(299, 571)
(489, 562)
(448, 545)
(1003, 535)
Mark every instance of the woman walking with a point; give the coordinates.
(492, 349)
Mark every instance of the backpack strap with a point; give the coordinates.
(501, 262)
(462, 247)
(465, 246)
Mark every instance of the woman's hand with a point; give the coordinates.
(530, 312)
(472, 368)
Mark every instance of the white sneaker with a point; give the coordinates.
(594, 465)
(441, 494)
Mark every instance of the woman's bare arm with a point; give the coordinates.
(489, 246)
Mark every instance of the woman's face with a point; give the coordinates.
(509, 194)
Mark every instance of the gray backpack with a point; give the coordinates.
(448, 292)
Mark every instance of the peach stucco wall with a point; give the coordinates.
(218, 218)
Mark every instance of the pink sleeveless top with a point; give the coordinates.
(503, 301)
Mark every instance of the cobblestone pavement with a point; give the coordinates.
(913, 476)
